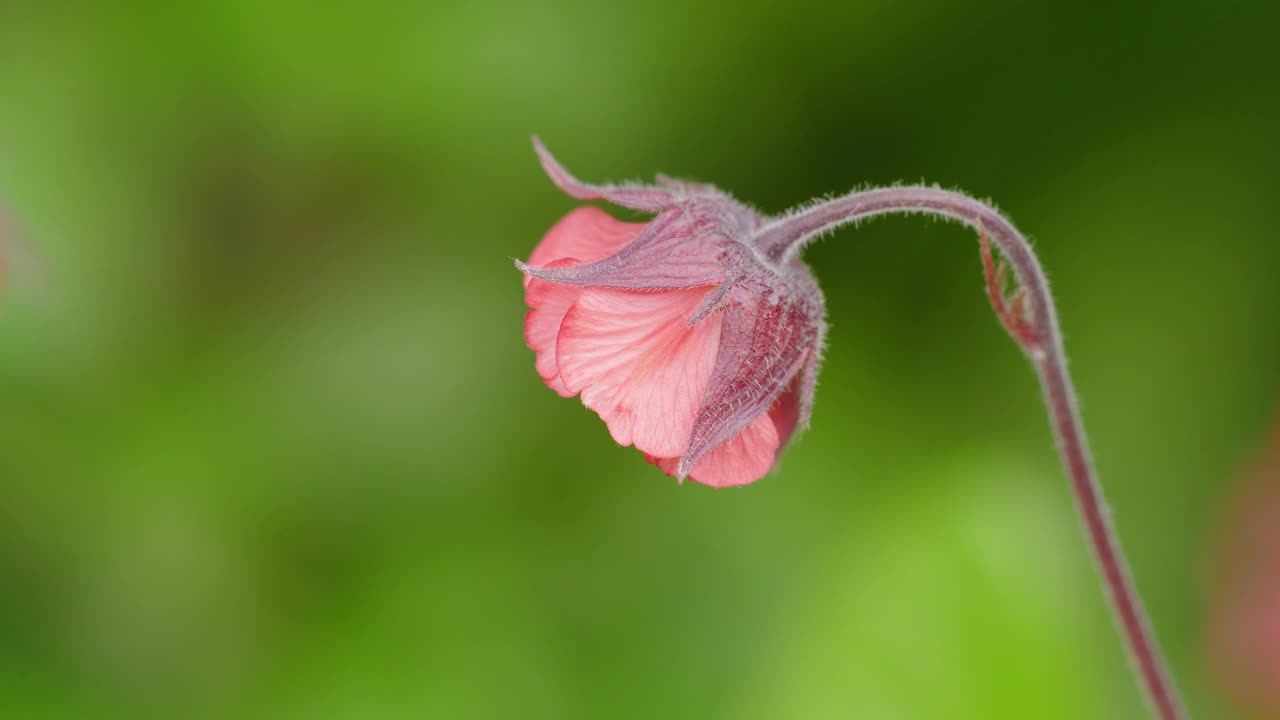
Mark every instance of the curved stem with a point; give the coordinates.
(1039, 336)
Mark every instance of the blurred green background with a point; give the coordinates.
(274, 447)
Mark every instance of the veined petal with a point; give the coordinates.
(583, 235)
(639, 364)
(785, 413)
(743, 460)
(548, 302)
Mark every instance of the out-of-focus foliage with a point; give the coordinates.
(273, 446)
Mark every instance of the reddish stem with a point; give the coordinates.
(1032, 320)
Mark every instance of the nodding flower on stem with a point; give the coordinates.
(696, 336)
(689, 340)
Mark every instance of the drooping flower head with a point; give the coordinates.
(690, 339)
(696, 337)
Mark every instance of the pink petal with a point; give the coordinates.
(785, 414)
(745, 459)
(639, 364)
(584, 235)
(550, 302)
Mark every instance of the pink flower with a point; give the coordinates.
(689, 341)
(1246, 612)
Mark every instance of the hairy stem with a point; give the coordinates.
(1036, 331)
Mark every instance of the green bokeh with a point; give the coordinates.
(274, 447)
